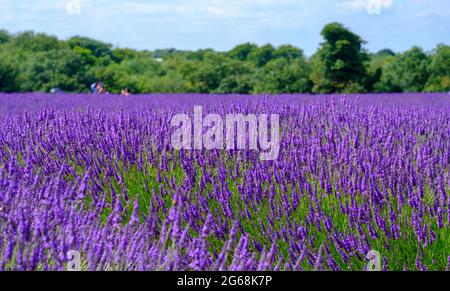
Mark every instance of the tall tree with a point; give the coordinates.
(339, 63)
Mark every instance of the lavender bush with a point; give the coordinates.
(98, 175)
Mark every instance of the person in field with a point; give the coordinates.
(94, 88)
(101, 89)
(98, 88)
(125, 92)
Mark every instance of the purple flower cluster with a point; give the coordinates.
(98, 175)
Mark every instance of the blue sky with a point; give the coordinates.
(221, 24)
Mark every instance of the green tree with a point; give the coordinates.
(86, 55)
(36, 42)
(241, 52)
(132, 73)
(122, 54)
(98, 48)
(282, 76)
(141, 66)
(384, 53)
(205, 76)
(288, 52)
(8, 73)
(439, 68)
(172, 83)
(238, 84)
(261, 55)
(42, 71)
(166, 53)
(4, 36)
(239, 78)
(339, 62)
(375, 69)
(198, 55)
(407, 72)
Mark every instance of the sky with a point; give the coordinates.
(222, 24)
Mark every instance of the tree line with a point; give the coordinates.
(32, 62)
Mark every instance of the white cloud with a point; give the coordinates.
(214, 10)
(433, 12)
(359, 5)
(198, 9)
(353, 5)
(40, 6)
(150, 8)
(179, 9)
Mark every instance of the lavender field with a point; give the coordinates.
(356, 176)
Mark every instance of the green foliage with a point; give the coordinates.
(167, 84)
(36, 42)
(4, 36)
(38, 62)
(407, 72)
(242, 51)
(207, 75)
(261, 55)
(384, 53)
(98, 48)
(288, 52)
(374, 69)
(141, 66)
(439, 70)
(281, 75)
(339, 63)
(8, 74)
(239, 78)
(57, 68)
(166, 53)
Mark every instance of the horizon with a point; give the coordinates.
(202, 24)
